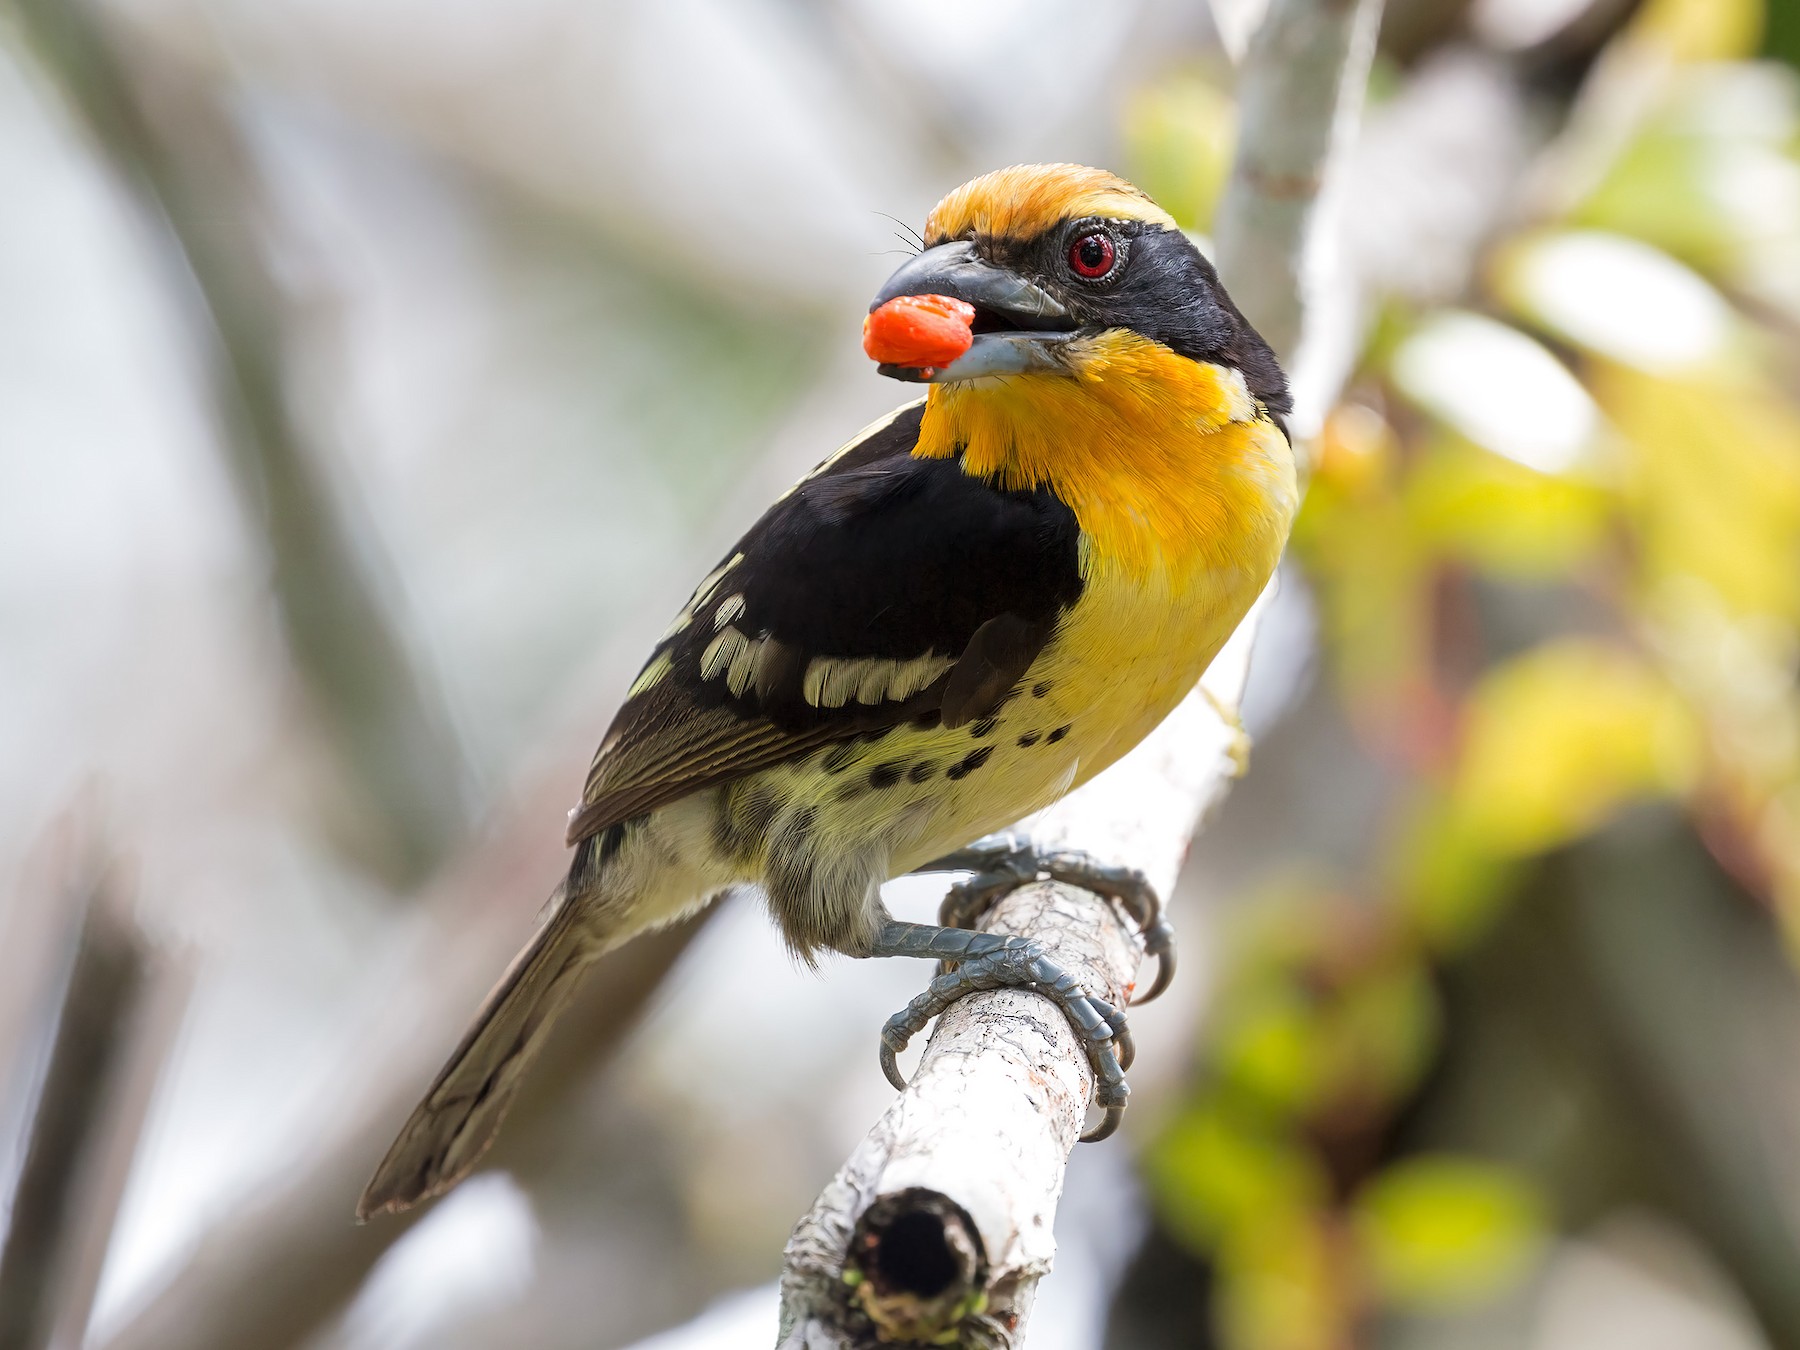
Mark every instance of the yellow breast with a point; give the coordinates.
(1184, 491)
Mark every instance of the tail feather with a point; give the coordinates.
(452, 1127)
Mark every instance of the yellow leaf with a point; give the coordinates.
(1449, 881)
(1714, 483)
(1381, 1031)
(1217, 1169)
(1270, 1044)
(1703, 30)
(1558, 739)
(1444, 1232)
(1372, 578)
(1283, 1288)
(1502, 516)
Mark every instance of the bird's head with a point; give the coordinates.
(1055, 256)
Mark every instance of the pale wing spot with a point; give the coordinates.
(914, 675)
(721, 653)
(732, 606)
(833, 681)
(841, 685)
(875, 428)
(1273, 466)
(702, 593)
(659, 666)
(877, 674)
(743, 665)
(812, 685)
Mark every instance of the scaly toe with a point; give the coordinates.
(1019, 963)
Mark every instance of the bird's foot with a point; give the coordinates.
(986, 961)
(1004, 862)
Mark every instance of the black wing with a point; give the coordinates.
(883, 589)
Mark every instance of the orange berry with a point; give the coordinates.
(919, 330)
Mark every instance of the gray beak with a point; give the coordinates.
(1025, 323)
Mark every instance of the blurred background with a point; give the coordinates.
(375, 380)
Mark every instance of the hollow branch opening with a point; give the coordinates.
(916, 1261)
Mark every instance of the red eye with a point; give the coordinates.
(1091, 256)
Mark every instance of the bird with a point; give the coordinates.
(977, 604)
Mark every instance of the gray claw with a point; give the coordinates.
(889, 1049)
(1114, 1112)
(1018, 963)
(1004, 861)
(1159, 941)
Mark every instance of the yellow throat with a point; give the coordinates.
(1168, 463)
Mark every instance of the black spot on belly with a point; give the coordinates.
(593, 853)
(1030, 739)
(850, 792)
(612, 839)
(1058, 734)
(969, 763)
(920, 772)
(743, 819)
(1041, 688)
(984, 727)
(838, 758)
(886, 775)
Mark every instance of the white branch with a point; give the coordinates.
(940, 1223)
(943, 1214)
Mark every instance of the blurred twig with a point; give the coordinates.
(113, 1024)
(1300, 96)
(176, 144)
(97, 1004)
(1700, 1016)
(269, 1277)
